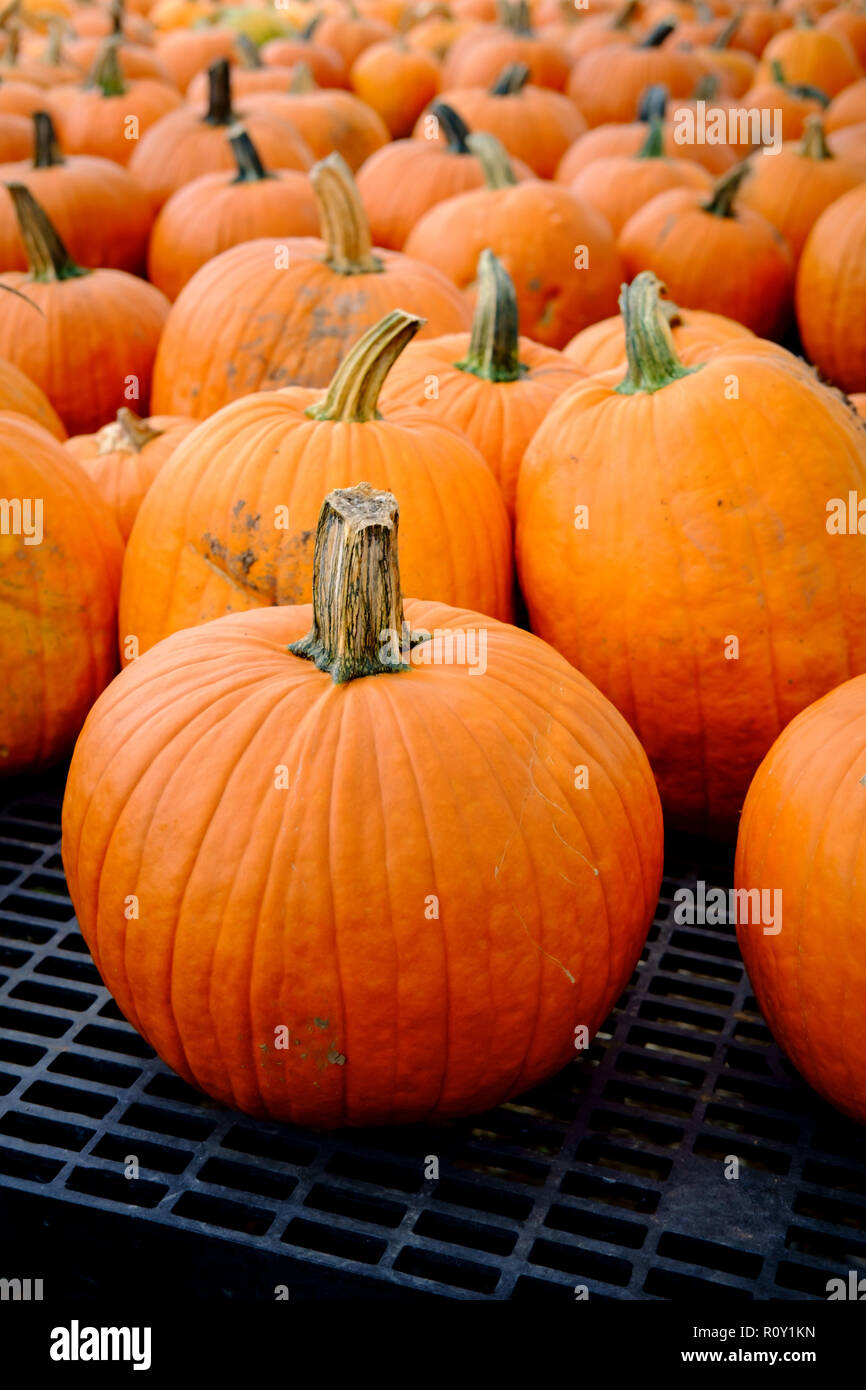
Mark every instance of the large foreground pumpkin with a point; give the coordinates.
(229, 523)
(801, 843)
(60, 555)
(673, 543)
(365, 891)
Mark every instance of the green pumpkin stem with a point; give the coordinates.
(512, 79)
(47, 153)
(344, 225)
(653, 102)
(247, 158)
(493, 158)
(724, 36)
(494, 344)
(219, 105)
(721, 203)
(652, 357)
(47, 257)
(623, 17)
(653, 146)
(797, 89)
(106, 72)
(353, 395)
(302, 80)
(358, 625)
(814, 143)
(706, 87)
(515, 17)
(453, 126)
(248, 52)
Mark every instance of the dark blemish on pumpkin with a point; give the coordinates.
(719, 503)
(534, 285)
(862, 782)
(334, 1057)
(253, 521)
(214, 546)
(238, 506)
(246, 560)
(321, 1022)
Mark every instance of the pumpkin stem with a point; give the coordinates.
(724, 36)
(13, 44)
(345, 229)
(454, 128)
(623, 17)
(106, 72)
(797, 89)
(657, 35)
(219, 106)
(653, 146)
(652, 356)
(706, 87)
(653, 102)
(128, 434)
(47, 257)
(515, 17)
(53, 50)
(494, 346)
(493, 158)
(249, 165)
(302, 80)
(814, 144)
(47, 153)
(248, 52)
(353, 394)
(721, 202)
(511, 80)
(358, 626)
(309, 29)
(115, 11)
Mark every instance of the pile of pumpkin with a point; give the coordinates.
(276, 276)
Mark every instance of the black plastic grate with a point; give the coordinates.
(611, 1175)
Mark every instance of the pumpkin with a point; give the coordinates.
(51, 69)
(858, 400)
(796, 102)
(813, 57)
(714, 254)
(190, 142)
(327, 121)
(187, 52)
(602, 346)
(534, 124)
(477, 58)
(59, 577)
(598, 30)
(606, 85)
(559, 252)
(849, 144)
(108, 115)
(229, 523)
(135, 61)
(86, 337)
(618, 186)
(20, 98)
(800, 855)
(16, 137)
(850, 24)
(735, 67)
(22, 396)
(273, 313)
(123, 458)
(831, 292)
(397, 82)
(429, 957)
(792, 187)
(401, 182)
(628, 138)
(671, 543)
(325, 64)
(350, 33)
(848, 108)
(493, 385)
(217, 211)
(100, 212)
(758, 25)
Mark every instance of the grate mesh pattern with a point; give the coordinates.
(611, 1175)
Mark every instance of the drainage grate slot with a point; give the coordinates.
(751, 1156)
(15, 1163)
(824, 1246)
(229, 1216)
(34, 1129)
(383, 1174)
(334, 1240)
(459, 1274)
(159, 1121)
(95, 1069)
(67, 1100)
(647, 1098)
(257, 1181)
(43, 1025)
(659, 1069)
(476, 1196)
(113, 1040)
(34, 992)
(610, 1191)
(158, 1157)
(665, 1283)
(131, 1192)
(710, 1255)
(607, 1229)
(338, 1201)
(276, 1147)
(572, 1259)
(475, 1236)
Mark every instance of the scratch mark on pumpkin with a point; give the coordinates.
(539, 947)
(573, 850)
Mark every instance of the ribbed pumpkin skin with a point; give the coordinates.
(814, 58)
(601, 347)
(791, 191)
(123, 477)
(831, 292)
(242, 325)
(499, 417)
(706, 520)
(90, 123)
(535, 125)
(262, 907)
(802, 833)
(206, 541)
(606, 141)
(618, 186)
(58, 600)
(21, 395)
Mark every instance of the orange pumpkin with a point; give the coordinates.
(186, 52)
(602, 346)
(22, 396)
(607, 85)
(848, 108)
(858, 400)
(477, 58)
(558, 251)
(493, 385)
(831, 292)
(628, 138)
(325, 64)
(849, 144)
(671, 543)
(812, 57)
(218, 211)
(397, 82)
(714, 254)
(100, 212)
(427, 957)
(229, 523)
(190, 142)
(108, 115)
(86, 337)
(123, 458)
(796, 102)
(404, 180)
(534, 124)
(21, 98)
(850, 24)
(792, 187)
(274, 313)
(59, 577)
(800, 858)
(621, 184)
(326, 120)
(350, 33)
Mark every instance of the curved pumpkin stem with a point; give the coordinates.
(653, 102)
(128, 434)
(358, 626)
(721, 203)
(302, 81)
(814, 144)
(248, 51)
(652, 357)
(511, 80)
(797, 89)
(106, 72)
(47, 153)
(47, 257)
(247, 158)
(493, 158)
(344, 224)
(494, 345)
(653, 146)
(657, 35)
(455, 129)
(623, 17)
(353, 394)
